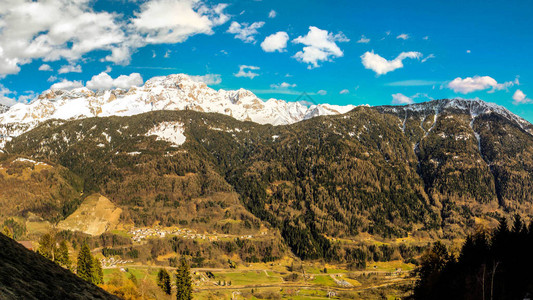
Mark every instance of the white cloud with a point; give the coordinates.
(478, 83)
(428, 57)
(382, 66)
(426, 38)
(363, 40)
(53, 30)
(320, 45)
(173, 21)
(69, 69)
(45, 67)
(245, 32)
(403, 36)
(103, 81)
(209, 79)
(520, 98)
(4, 99)
(275, 42)
(272, 14)
(401, 99)
(246, 71)
(8, 97)
(52, 78)
(66, 85)
(322, 92)
(344, 92)
(468, 51)
(283, 85)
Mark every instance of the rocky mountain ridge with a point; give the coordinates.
(173, 92)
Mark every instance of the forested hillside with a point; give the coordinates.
(436, 169)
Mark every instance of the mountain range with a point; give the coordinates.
(173, 92)
(436, 169)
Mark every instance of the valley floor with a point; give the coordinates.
(274, 281)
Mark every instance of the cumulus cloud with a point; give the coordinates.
(478, 83)
(4, 99)
(382, 66)
(272, 14)
(209, 79)
(322, 92)
(275, 42)
(8, 97)
(403, 36)
(103, 81)
(246, 71)
(320, 45)
(69, 69)
(45, 67)
(173, 21)
(520, 98)
(53, 30)
(344, 92)
(67, 85)
(244, 31)
(363, 40)
(400, 98)
(283, 85)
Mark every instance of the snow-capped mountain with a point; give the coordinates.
(474, 108)
(173, 92)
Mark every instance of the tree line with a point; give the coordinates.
(491, 265)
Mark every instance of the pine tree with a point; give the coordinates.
(183, 282)
(85, 263)
(7, 232)
(61, 257)
(47, 246)
(97, 274)
(163, 281)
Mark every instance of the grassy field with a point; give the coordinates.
(247, 278)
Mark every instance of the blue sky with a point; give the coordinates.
(339, 52)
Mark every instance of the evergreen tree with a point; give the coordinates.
(47, 246)
(163, 281)
(85, 263)
(62, 257)
(183, 282)
(7, 232)
(97, 274)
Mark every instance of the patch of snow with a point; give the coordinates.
(21, 159)
(172, 132)
(107, 136)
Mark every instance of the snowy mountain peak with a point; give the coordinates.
(474, 108)
(172, 92)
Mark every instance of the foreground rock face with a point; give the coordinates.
(25, 274)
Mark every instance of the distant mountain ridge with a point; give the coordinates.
(172, 92)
